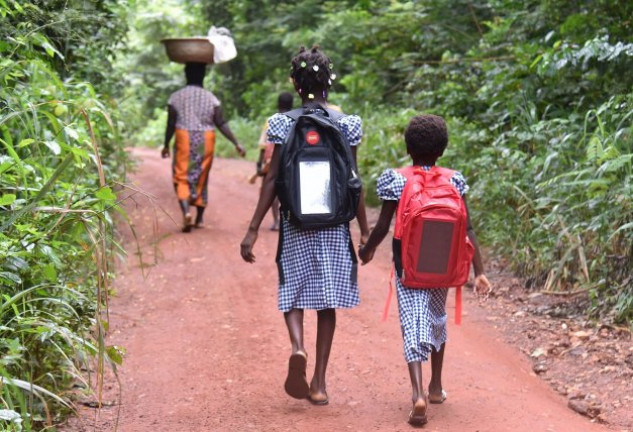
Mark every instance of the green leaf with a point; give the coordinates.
(105, 194)
(50, 272)
(71, 132)
(10, 277)
(115, 353)
(7, 199)
(25, 142)
(53, 146)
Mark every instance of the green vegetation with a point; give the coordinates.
(60, 158)
(537, 93)
(538, 99)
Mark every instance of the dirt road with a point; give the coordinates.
(207, 349)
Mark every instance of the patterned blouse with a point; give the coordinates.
(194, 106)
(279, 127)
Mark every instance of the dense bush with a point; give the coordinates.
(60, 158)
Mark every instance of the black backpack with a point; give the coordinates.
(317, 184)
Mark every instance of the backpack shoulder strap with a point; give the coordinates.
(407, 171)
(294, 114)
(444, 172)
(334, 115)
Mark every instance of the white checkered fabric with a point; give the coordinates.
(422, 311)
(317, 269)
(194, 107)
(279, 126)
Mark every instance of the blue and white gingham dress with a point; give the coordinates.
(317, 268)
(422, 311)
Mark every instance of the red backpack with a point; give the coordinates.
(431, 245)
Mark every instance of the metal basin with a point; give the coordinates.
(186, 50)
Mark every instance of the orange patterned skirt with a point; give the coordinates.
(193, 157)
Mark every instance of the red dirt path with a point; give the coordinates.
(207, 348)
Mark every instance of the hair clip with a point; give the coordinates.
(303, 64)
(333, 76)
(315, 68)
(329, 82)
(331, 66)
(310, 96)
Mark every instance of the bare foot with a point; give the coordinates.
(317, 396)
(437, 397)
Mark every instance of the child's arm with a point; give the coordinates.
(260, 161)
(482, 285)
(266, 199)
(366, 252)
(361, 214)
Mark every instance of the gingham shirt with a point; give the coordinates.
(317, 269)
(422, 311)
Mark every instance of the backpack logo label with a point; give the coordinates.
(313, 137)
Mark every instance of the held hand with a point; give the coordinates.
(363, 238)
(246, 247)
(483, 288)
(240, 150)
(164, 152)
(365, 255)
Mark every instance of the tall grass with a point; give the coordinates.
(60, 160)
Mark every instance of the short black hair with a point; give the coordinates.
(426, 136)
(195, 72)
(285, 101)
(312, 70)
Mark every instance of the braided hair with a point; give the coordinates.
(311, 71)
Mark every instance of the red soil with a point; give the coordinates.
(207, 348)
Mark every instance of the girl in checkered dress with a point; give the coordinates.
(422, 311)
(317, 268)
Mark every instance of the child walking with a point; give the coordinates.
(422, 311)
(317, 267)
(266, 148)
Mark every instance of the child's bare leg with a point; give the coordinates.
(415, 373)
(435, 386)
(326, 324)
(296, 384)
(294, 322)
(417, 417)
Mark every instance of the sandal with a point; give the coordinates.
(296, 384)
(417, 416)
